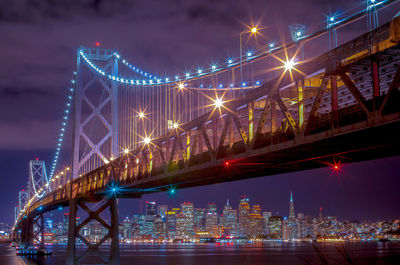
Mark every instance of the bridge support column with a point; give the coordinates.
(334, 102)
(115, 257)
(93, 248)
(71, 252)
(27, 233)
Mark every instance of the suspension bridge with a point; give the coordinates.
(273, 110)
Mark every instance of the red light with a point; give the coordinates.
(97, 44)
(227, 164)
(336, 167)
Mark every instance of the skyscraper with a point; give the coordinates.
(229, 220)
(171, 224)
(162, 209)
(255, 221)
(212, 219)
(199, 220)
(291, 227)
(275, 227)
(151, 208)
(244, 219)
(291, 207)
(266, 216)
(187, 211)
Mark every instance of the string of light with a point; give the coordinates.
(151, 79)
(64, 123)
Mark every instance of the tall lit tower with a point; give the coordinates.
(291, 207)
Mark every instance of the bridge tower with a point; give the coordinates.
(95, 133)
(22, 199)
(38, 181)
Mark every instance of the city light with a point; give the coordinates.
(254, 30)
(126, 151)
(97, 43)
(176, 125)
(141, 115)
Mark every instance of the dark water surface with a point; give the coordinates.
(232, 254)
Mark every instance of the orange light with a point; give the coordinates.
(97, 43)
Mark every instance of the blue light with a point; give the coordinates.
(244, 84)
(220, 85)
(231, 85)
(213, 67)
(258, 82)
(271, 45)
(176, 77)
(199, 71)
(187, 74)
(172, 191)
(249, 54)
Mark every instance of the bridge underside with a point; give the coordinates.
(315, 151)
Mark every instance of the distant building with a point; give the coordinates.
(275, 227)
(199, 220)
(244, 216)
(151, 208)
(229, 221)
(171, 224)
(212, 219)
(126, 224)
(159, 227)
(187, 210)
(266, 216)
(161, 210)
(291, 226)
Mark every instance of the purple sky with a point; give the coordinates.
(37, 50)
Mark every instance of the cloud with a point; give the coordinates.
(31, 135)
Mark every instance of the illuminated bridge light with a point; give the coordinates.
(181, 86)
(289, 65)
(146, 140)
(141, 115)
(254, 30)
(218, 102)
(176, 125)
(126, 151)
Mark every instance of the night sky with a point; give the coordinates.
(38, 55)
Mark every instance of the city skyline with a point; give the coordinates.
(189, 222)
